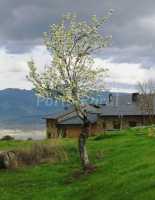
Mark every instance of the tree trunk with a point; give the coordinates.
(83, 137)
(82, 145)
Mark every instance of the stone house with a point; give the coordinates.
(119, 111)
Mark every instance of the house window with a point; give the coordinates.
(132, 124)
(116, 124)
(135, 97)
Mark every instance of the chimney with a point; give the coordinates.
(117, 98)
(110, 98)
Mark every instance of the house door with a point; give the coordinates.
(132, 124)
(116, 124)
(63, 132)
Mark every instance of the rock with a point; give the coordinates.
(8, 160)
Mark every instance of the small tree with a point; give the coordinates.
(146, 98)
(72, 74)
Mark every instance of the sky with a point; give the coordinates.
(129, 58)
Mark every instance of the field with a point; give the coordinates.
(125, 164)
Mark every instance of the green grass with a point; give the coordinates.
(125, 171)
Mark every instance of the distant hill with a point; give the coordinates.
(22, 109)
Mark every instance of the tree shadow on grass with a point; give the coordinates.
(108, 136)
(80, 173)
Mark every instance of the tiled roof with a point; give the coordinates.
(124, 110)
(71, 111)
(77, 121)
(56, 115)
(122, 105)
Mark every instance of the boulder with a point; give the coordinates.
(8, 160)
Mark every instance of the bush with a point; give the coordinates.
(151, 132)
(29, 139)
(38, 153)
(41, 153)
(7, 137)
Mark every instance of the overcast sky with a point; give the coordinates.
(130, 58)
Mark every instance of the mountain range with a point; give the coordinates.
(22, 109)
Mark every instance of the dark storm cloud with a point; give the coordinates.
(23, 22)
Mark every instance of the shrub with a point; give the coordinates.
(38, 153)
(7, 137)
(29, 139)
(41, 153)
(151, 132)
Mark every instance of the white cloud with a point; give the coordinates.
(13, 70)
(125, 76)
(13, 67)
(148, 23)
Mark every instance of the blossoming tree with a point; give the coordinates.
(72, 74)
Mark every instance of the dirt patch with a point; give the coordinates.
(78, 174)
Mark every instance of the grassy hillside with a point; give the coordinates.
(125, 171)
